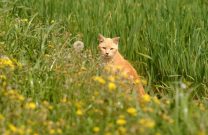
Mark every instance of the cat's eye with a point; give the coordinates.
(111, 48)
(104, 47)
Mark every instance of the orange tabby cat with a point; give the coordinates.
(109, 51)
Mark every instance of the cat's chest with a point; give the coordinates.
(115, 63)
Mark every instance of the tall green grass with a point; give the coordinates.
(165, 38)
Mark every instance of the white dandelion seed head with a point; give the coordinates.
(78, 46)
(183, 85)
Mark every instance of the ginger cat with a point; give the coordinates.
(110, 55)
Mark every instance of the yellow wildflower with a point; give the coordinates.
(12, 128)
(157, 133)
(21, 97)
(201, 107)
(2, 77)
(11, 92)
(107, 68)
(99, 79)
(1, 117)
(79, 104)
(51, 46)
(110, 125)
(63, 100)
(146, 98)
(24, 20)
(116, 67)
(201, 133)
(79, 112)
(50, 107)
(121, 121)
(96, 129)
(45, 103)
(132, 111)
(111, 86)
(156, 100)
(111, 78)
(6, 62)
(148, 123)
(137, 81)
(17, 63)
(47, 55)
(30, 105)
(28, 131)
(124, 75)
(167, 101)
(167, 118)
(108, 133)
(21, 130)
(144, 82)
(59, 131)
(51, 131)
(147, 109)
(122, 130)
(83, 68)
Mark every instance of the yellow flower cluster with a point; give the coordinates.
(99, 79)
(167, 118)
(30, 114)
(111, 86)
(111, 78)
(6, 62)
(122, 130)
(156, 100)
(54, 128)
(148, 109)
(47, 105)
(17, 130)
(202, 107)
(64, 100)
(144, 82)
(13, 94)
(30, 106)
(147, 122)
(96, 129)
(121, 121)
(132, 111)
(79, 112)
(2, 77)
(145, 98)
(137, 81)
(1, 117)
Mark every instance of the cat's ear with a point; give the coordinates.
(100, 38)
(116, 40)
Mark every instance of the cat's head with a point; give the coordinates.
(108, 46)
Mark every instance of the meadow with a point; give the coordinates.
(48, 88)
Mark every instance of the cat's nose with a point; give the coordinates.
(106, 53)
